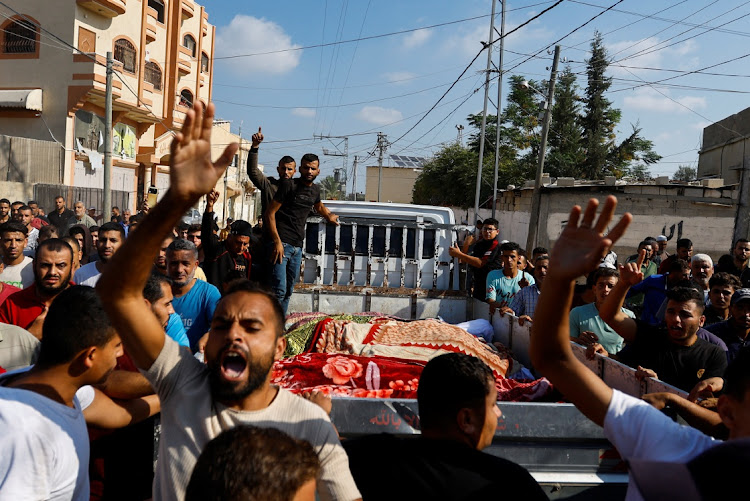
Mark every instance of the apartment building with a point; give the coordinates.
(163, 52)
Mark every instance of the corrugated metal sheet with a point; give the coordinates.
(27, 160)
(45, 194)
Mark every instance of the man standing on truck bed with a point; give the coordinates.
(285, 225)
(484, 257)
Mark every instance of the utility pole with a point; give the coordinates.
(488, 46)
(537, 195)
(354, 177)
(239, 174)
(339, 152)
(499, 98)
(107, 201)
(460, 135)
(381, 146)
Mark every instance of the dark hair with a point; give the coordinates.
(724, 278)
(286, 159)
(249, 463)
(684, 243)
(541, 257)
(309, 157)
(510, 246)
(740, 240)
(539, 250)
(679, 265)
(76, 320)
(13, 226)
(737, 375)
(114, 207)
(24, 207)
(46, 232)
(644, 243)
(93, 228)
(17, 202)
(490, 221)
(180, 244)
(245, 285)
(449, 383)
(55, 245)
(685, 294)
(112, 226)
(195, 227)
(233, 276)
(604, 272)
(72, 241)
(182, 225)
(4, 201)
(152, 291)
(241, 228)
(30, 202)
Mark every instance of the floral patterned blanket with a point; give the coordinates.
(385, 357)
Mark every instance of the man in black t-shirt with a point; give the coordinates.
(285, 225)
(738, 262)
(674, 353)
(483, 258)
(458, 417)
(224, 258)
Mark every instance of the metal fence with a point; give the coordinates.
(25, 160)
(45, 194)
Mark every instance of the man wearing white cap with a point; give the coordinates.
(660, 253)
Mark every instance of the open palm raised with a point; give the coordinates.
(192, 173)
(581, 247)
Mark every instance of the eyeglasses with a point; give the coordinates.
(489, 229)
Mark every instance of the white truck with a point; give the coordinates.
(393, 258)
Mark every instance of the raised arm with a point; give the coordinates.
(611, 310)
(578, 251)
(211, 244)
(103, 412)
(705, 420)
(192, 174)
(256, 176)
(456, 252)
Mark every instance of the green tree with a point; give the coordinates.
(330, 189)
(565, 148)
(685, 173)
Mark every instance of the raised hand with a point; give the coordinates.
(582, 246)
(630, 273)
(257, 138)
(212, 197)
(192, 173)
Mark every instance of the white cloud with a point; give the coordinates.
(679, 57)
(466, 41)
(650, 100)
(378, 115)
(304, 112)
(248, 35)
(397, 76)
(416, 38)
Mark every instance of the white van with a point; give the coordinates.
(394, 246)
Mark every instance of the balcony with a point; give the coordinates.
(106, 8)
(150, 33)
(188, 9)
(89, 72)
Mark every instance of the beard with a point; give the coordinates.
(46, 290)
(229, 391)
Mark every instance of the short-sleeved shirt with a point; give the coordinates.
(640, 431)
(21, 308)
(297, 200)
(680, 366)
(190, 418)
(727, 333)
(196, 309)
(524, 302)
(176, 330)
(19, 275)
(586, 318)
(488, 251)
(501, 289)
(31, 243)
(87, 274)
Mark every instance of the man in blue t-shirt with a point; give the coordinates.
(194, 300)
(503, 284)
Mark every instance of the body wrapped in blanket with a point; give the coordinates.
(371, 356)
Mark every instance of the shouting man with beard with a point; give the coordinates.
(52, 272)
(200, 401)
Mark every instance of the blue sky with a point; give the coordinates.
(386, 84)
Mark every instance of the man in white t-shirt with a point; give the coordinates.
(24, 216)
(44, 443)
(503, 284)
(111, 237)
(199, 401)
(18, 269)
(638, 430)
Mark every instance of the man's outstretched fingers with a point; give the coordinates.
(208, 122)
(226, 157)
(608, 211)
(187, 128)
(619, 230)
(589, 213)
(196, 129)
(573, 217)
(641, 258)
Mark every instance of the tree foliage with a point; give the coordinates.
(330, 189)
(685, 173)
(566, 153)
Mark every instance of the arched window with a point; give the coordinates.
(186, 98)
(189, 43)
(126, 54)
(158, 6)
(153, 75)
(20, 37)
(204, 63)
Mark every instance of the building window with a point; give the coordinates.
(158, 6)
(204, 63)
(186, 98)
(153, 75)
(20, 37)
(126, 54)
(189, 43)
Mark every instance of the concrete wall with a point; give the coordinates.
(397, 184)
(725, 150)
(706, 216)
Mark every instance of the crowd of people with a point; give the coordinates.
(110, 330)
